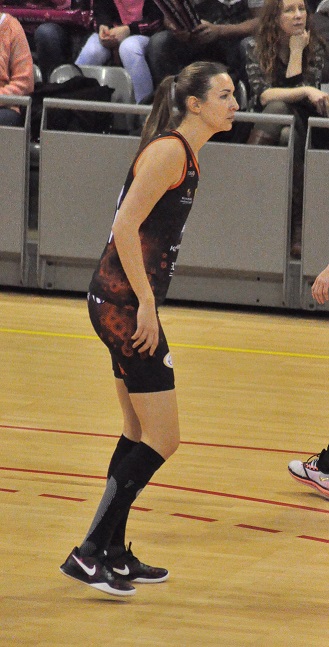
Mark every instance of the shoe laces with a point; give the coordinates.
(130, 554)
(312, 462)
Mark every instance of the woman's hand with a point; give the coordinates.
(299, 41)
(114, 36)
(320, 287)
(146, 336)
(322, 106)
(205, 33)
(319, 99)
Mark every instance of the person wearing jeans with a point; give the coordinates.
(124, 27)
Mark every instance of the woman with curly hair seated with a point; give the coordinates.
(284, 66)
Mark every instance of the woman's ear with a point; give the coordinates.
(193, 104)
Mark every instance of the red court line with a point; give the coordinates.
(325, 541)
(136, 507)
(179, 488)
(49, 473)
(4, 489)
(57, 496)
(245, 525)
(239, 497)
(190, 516)
(183, 442)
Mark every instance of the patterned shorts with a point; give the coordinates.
(140, 372)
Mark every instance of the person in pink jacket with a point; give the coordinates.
(16, 67)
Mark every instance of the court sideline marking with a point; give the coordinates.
(223, 349)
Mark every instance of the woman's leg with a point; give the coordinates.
(150, 416)
(52, 44)
(158, 415)
(132, 55)
(93, 52)
(270, 133)
(167, 55)
(130, 437)
(9, 117)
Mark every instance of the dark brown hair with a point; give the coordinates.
(169, 106)
(268, 37)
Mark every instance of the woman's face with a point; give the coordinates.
(220, 106)
(293, 17)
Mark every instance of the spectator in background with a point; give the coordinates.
(16, 67)
(320, 21)
(124, 27)
(55, 29)
(284, 67)
(224, 24)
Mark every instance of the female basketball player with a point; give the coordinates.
(130, 282)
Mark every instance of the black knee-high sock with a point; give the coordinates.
(124, 447)
(124, 485)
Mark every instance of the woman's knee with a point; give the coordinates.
(133, 46)
(93, 52)
(277, 108)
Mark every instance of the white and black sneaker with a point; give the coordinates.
(313, 472)
(127, 566)
(91, 571)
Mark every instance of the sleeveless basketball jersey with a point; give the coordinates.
(160, 235)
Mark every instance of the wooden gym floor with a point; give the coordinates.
(247, 546)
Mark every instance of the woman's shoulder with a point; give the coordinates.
(166, 150)
(11, 22)
(169, 140)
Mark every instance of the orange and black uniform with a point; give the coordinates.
(113, 304)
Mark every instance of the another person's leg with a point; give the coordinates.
(132, 54)
(93, 52)
(166, 55)
(9, 117)
(314, 472)
(269, 134)
(52, 43)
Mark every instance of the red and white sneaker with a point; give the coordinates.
(310, 473)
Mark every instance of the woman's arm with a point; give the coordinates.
(159, 167)
(297, 44)
(21, 78)
(318, 98)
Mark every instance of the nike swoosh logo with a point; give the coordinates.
(86, 569)
(323, 478)
(122, 571)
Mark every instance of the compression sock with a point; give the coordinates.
(124, 447)
(124, 485)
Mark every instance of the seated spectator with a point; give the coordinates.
(16, 67)
(224, 24)
(320, 20)
(55, 29)
(124, 26)
(284, 67)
